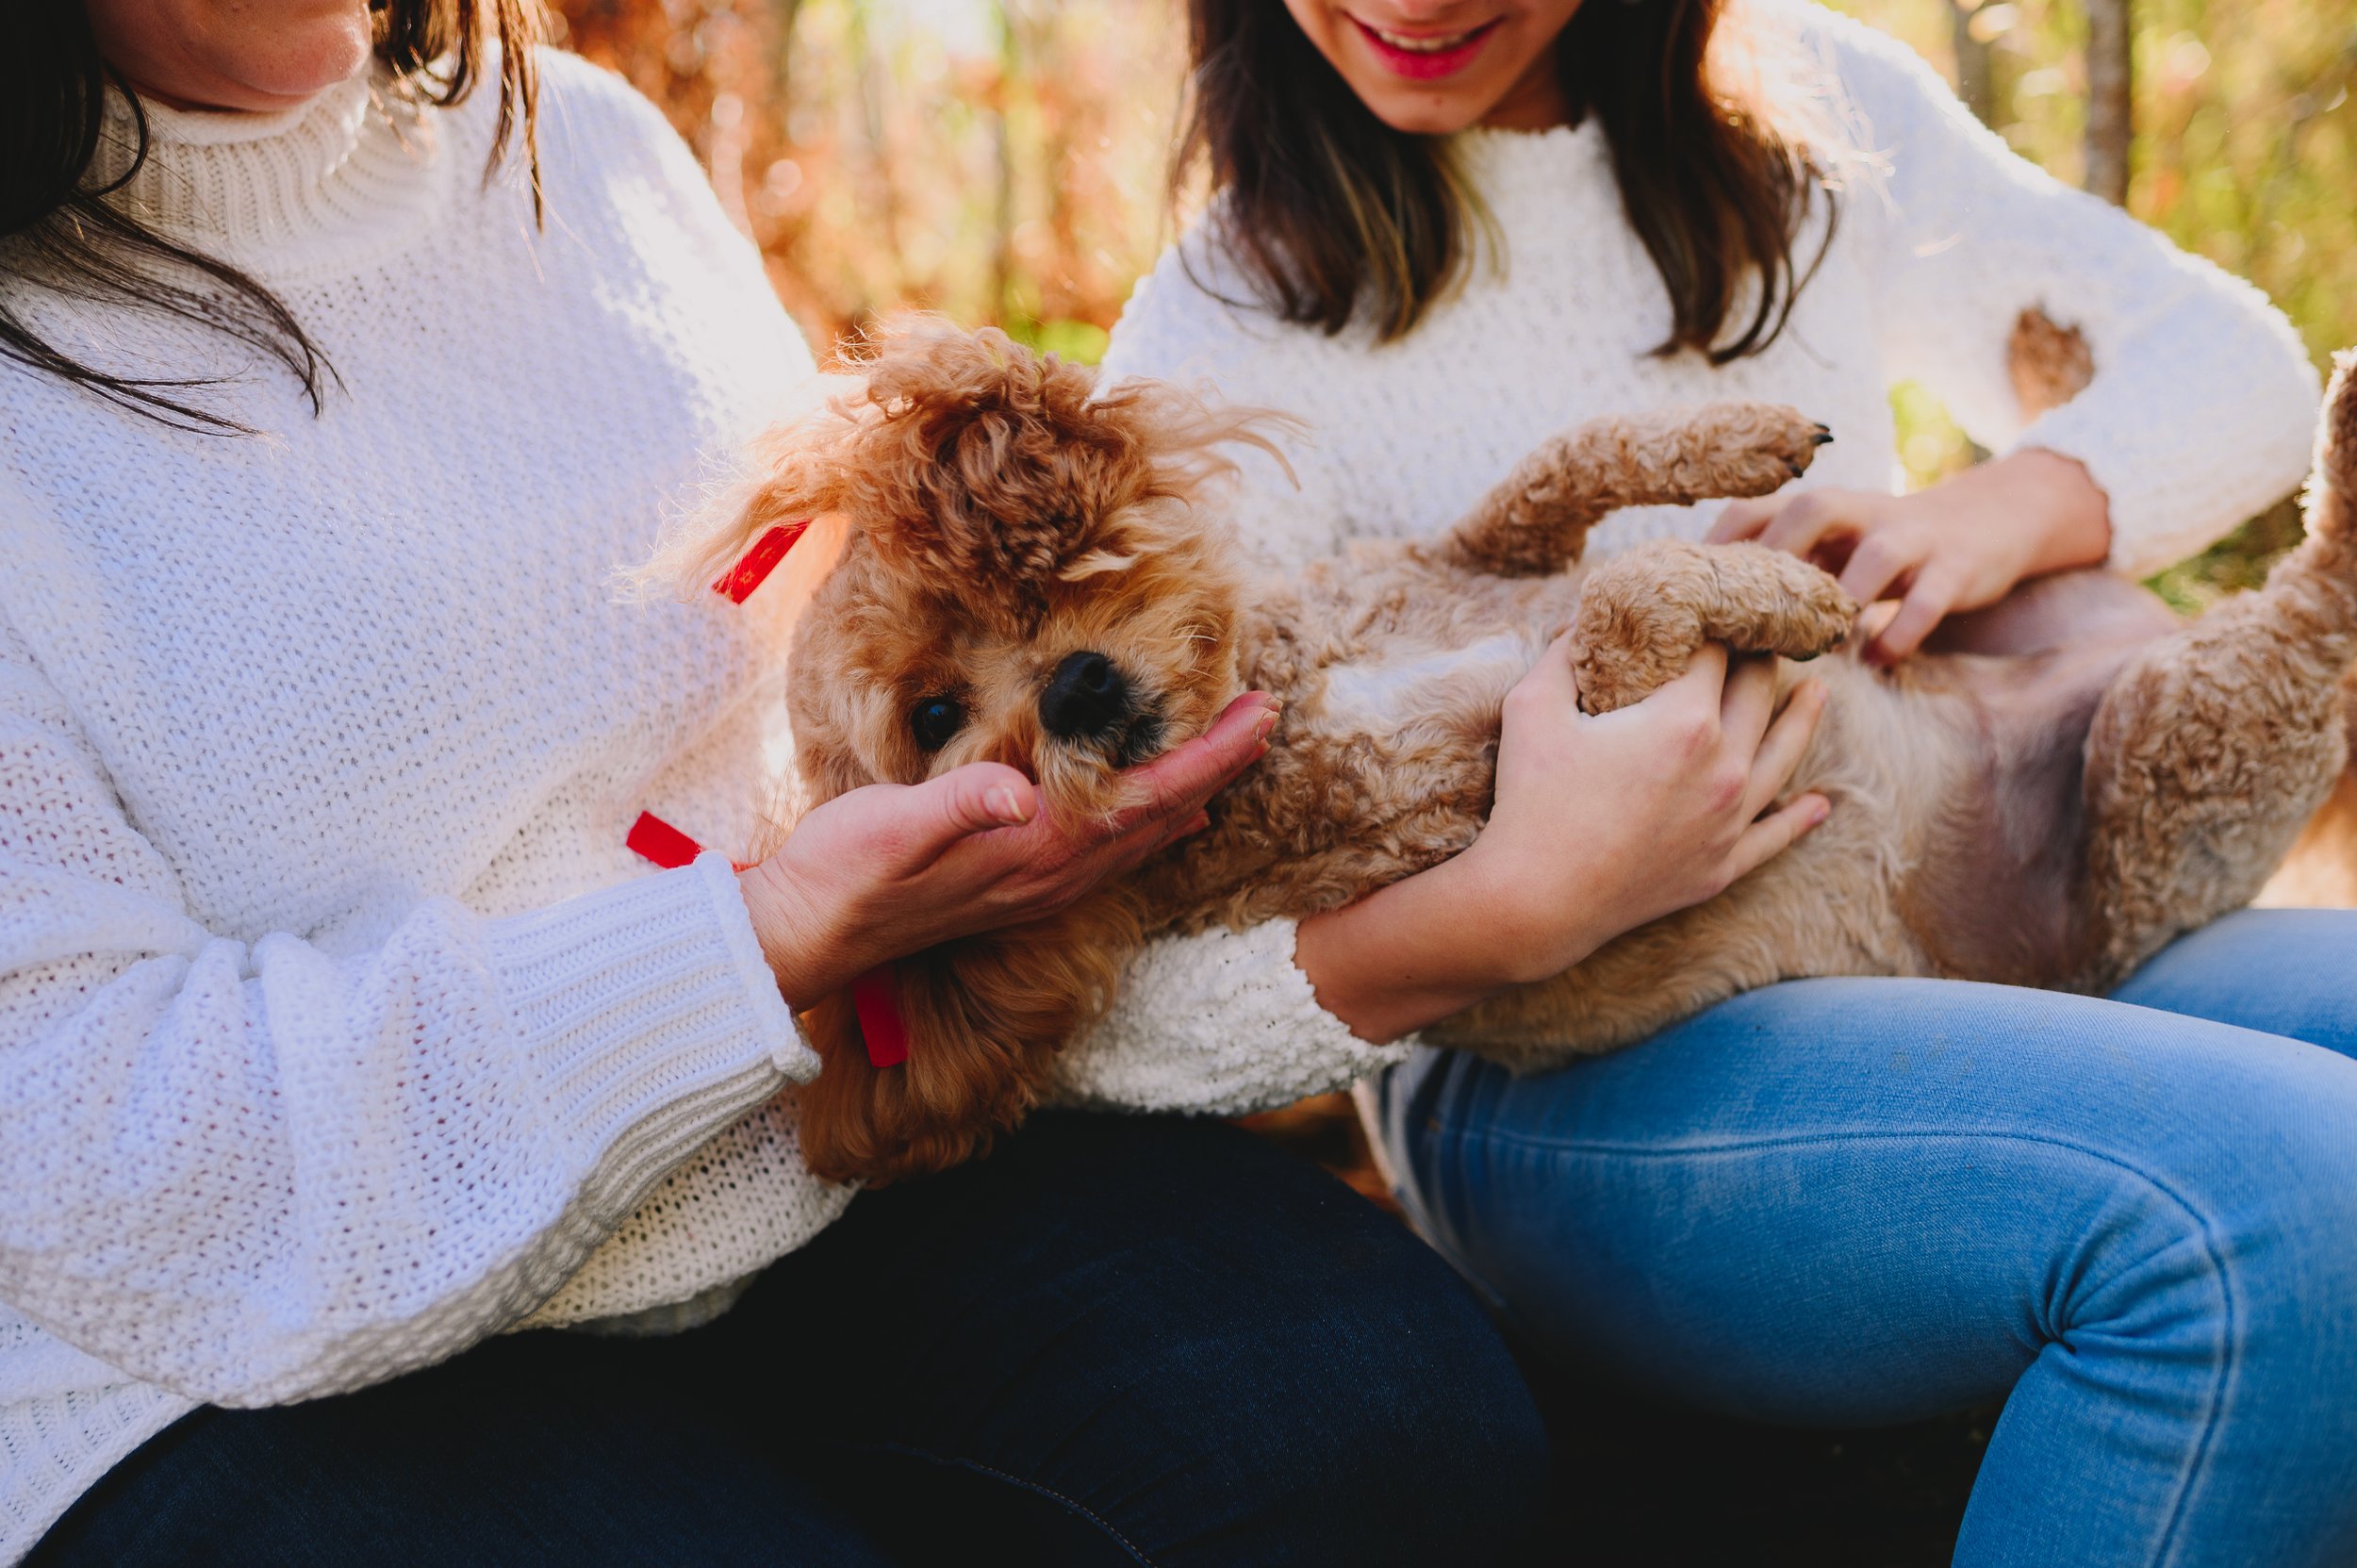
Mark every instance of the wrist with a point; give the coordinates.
(1421, 950)
(805, 950)
(1514, 931)
(2075, 524)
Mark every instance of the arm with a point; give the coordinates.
(2199, 413)
(255, 1171)
(2203, 403)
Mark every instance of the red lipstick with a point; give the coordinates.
(1422, 65)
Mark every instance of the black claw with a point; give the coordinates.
(1823, 436)
(1794, 465)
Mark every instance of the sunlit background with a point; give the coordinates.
(1005, 160)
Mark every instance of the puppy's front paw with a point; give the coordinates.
(1758, 447)
(1806, 611)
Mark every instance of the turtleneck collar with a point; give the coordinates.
(323, 187)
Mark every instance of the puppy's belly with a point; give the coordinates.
(1413, 681)
(1997, 892)
(1957, 847)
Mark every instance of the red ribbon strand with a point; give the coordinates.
(875, 995)
(737, 584)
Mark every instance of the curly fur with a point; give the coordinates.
(2043, 819)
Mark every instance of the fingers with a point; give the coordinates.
(981, 797)
(1883, 558)
(1774, 833)
(1180, 779)
(1704, 680)
(1781, 749)
(1747, 702)
(1936, 591)
(1743, 520)
(1549, 684)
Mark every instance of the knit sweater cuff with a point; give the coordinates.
(648, 1011)
(2167, 500)
(2148, 529)
(1223, 1022)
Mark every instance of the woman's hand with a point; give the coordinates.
(1957, 545)
(1601, 824)
(892, 869)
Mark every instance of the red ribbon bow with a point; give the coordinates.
(875, 995)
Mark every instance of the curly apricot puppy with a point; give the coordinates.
(1033, 574)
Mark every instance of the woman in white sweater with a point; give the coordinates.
(1467, 223)
(339, 1030)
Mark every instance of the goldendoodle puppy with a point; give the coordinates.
(1035, 572)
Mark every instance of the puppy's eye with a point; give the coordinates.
(935, 720)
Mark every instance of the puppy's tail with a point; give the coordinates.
(2332, 488)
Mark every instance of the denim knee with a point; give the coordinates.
(2232, 1256)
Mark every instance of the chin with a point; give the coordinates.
(1421, 114)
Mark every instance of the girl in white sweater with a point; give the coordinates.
(341, 1032)
(1464, 224)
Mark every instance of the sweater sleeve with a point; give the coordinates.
(257, 1171)
(1223, 1023)
(2202, 402)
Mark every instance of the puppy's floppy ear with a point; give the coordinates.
(985, 1017)
(798, 470)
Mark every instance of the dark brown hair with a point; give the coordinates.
(59, 232)
(1333, 213)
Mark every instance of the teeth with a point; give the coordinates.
(1426, 45)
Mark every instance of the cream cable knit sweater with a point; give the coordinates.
(2200, 412)
(337, 1029)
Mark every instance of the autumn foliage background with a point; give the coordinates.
(1006, 160)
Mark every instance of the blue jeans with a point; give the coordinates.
(1855, 1201)
(1117, 1340)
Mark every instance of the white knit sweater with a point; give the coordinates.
(338, 1028)
(2201, 411)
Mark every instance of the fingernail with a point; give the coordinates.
(1003, 805)
(1817, 813)
(1267, 726)
(1202, 821)
(1263, 752)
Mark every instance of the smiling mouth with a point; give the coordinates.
(1424, 57)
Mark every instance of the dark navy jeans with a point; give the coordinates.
(1117, 1340)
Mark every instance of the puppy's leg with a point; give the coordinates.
(2213, 747)
(1536, 521)
(1642, 614)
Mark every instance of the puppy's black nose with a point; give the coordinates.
(1084, 698)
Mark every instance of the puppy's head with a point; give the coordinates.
(1024, 579)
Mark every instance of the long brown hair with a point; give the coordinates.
(59, 232)
(1333, 214)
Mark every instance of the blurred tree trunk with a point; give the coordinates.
(2110, 44)
(1976, 81)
